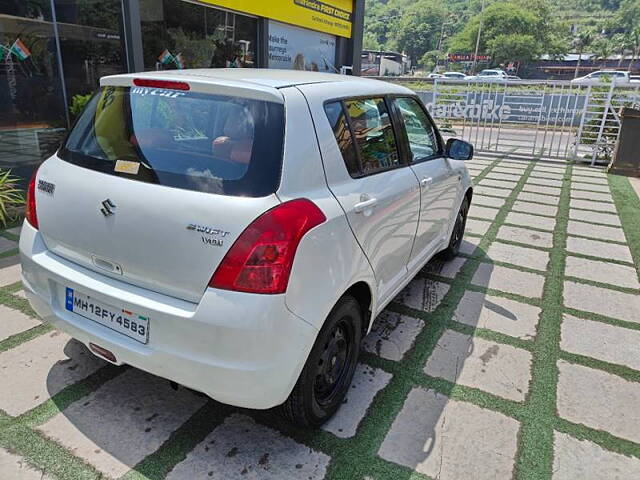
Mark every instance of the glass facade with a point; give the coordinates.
(53, 53)
(178, 34)
(32, 115)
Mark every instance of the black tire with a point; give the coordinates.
(457, 234)
(327, 374)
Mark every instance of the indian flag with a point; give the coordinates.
(179, 59)
(20, 50)
(165, 57)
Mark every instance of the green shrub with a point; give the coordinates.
(78, 102)
(10, 197)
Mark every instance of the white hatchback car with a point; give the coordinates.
(236, 231)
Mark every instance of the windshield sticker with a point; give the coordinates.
(144, 91)
(125, 166)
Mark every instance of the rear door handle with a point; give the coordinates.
(365, 204)
(426, 181)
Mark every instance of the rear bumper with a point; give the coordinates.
(241, 349)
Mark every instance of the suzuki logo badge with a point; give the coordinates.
(108, 208)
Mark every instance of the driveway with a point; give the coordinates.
(520, 359)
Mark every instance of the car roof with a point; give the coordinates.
(258, 76)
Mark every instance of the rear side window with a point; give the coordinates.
(202, 142)
(365, 135)
(338, 122)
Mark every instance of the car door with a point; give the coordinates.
(439, 183)
(377, 190)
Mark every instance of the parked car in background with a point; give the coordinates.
(237, 231)
(490, 75)
(603, 76)
(434, 75)
(454, 75)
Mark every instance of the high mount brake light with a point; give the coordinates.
(166, 84)
(30, 212)
(261, 258)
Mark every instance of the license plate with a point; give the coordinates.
(122, 321)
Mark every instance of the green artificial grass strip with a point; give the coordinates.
(22, 337)
(628, 205)
(44, 454)
(182, 441)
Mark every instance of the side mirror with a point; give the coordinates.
(458, 149)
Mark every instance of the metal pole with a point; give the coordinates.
(60, 67)
(475, 55)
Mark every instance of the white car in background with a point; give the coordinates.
(237, 231)
(490, 75)
(604, 76)
(454, 75)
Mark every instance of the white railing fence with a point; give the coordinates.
(539, 119)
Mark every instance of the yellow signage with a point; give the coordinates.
(330, 16)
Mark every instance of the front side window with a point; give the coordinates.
(373, 132)
(184, 139)
(421, 136)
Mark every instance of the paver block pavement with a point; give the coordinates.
(496, 368)
(597, 248)
(603, 301)
(535, 188)
(497, 313)
(423, 294)
(597, 232)
(451, 440)
(525, 236)
(469, 246)
(14, 467)
(596, 206)
(535, 208)
(6, 244)
(445, 268)
(585, 460)
(601, 341)
(594, 217)
(599, 400)
(242, 449)
(602, 272)
(122, 422)
(367, 382)
(14, 321)
(392, 335)
(477, 227)
(486, 201)
(593, 196)
(498, 183)
(538, 197)
(509, 280)
(535, 221)
(36, 370)
(485, 213)
(520, 256)
(590, 187)
(10, 270)
(492, 191)
(547, 182)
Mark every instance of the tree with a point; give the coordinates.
(580, 42)
(515, 30)
(602, 49)
(634, 36)
(418, 29)
(620, 43)
(513, 47)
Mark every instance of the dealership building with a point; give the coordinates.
(52, 52)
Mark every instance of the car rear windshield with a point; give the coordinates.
(195, 141)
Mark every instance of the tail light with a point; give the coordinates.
(260, 260)
(30, 212)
